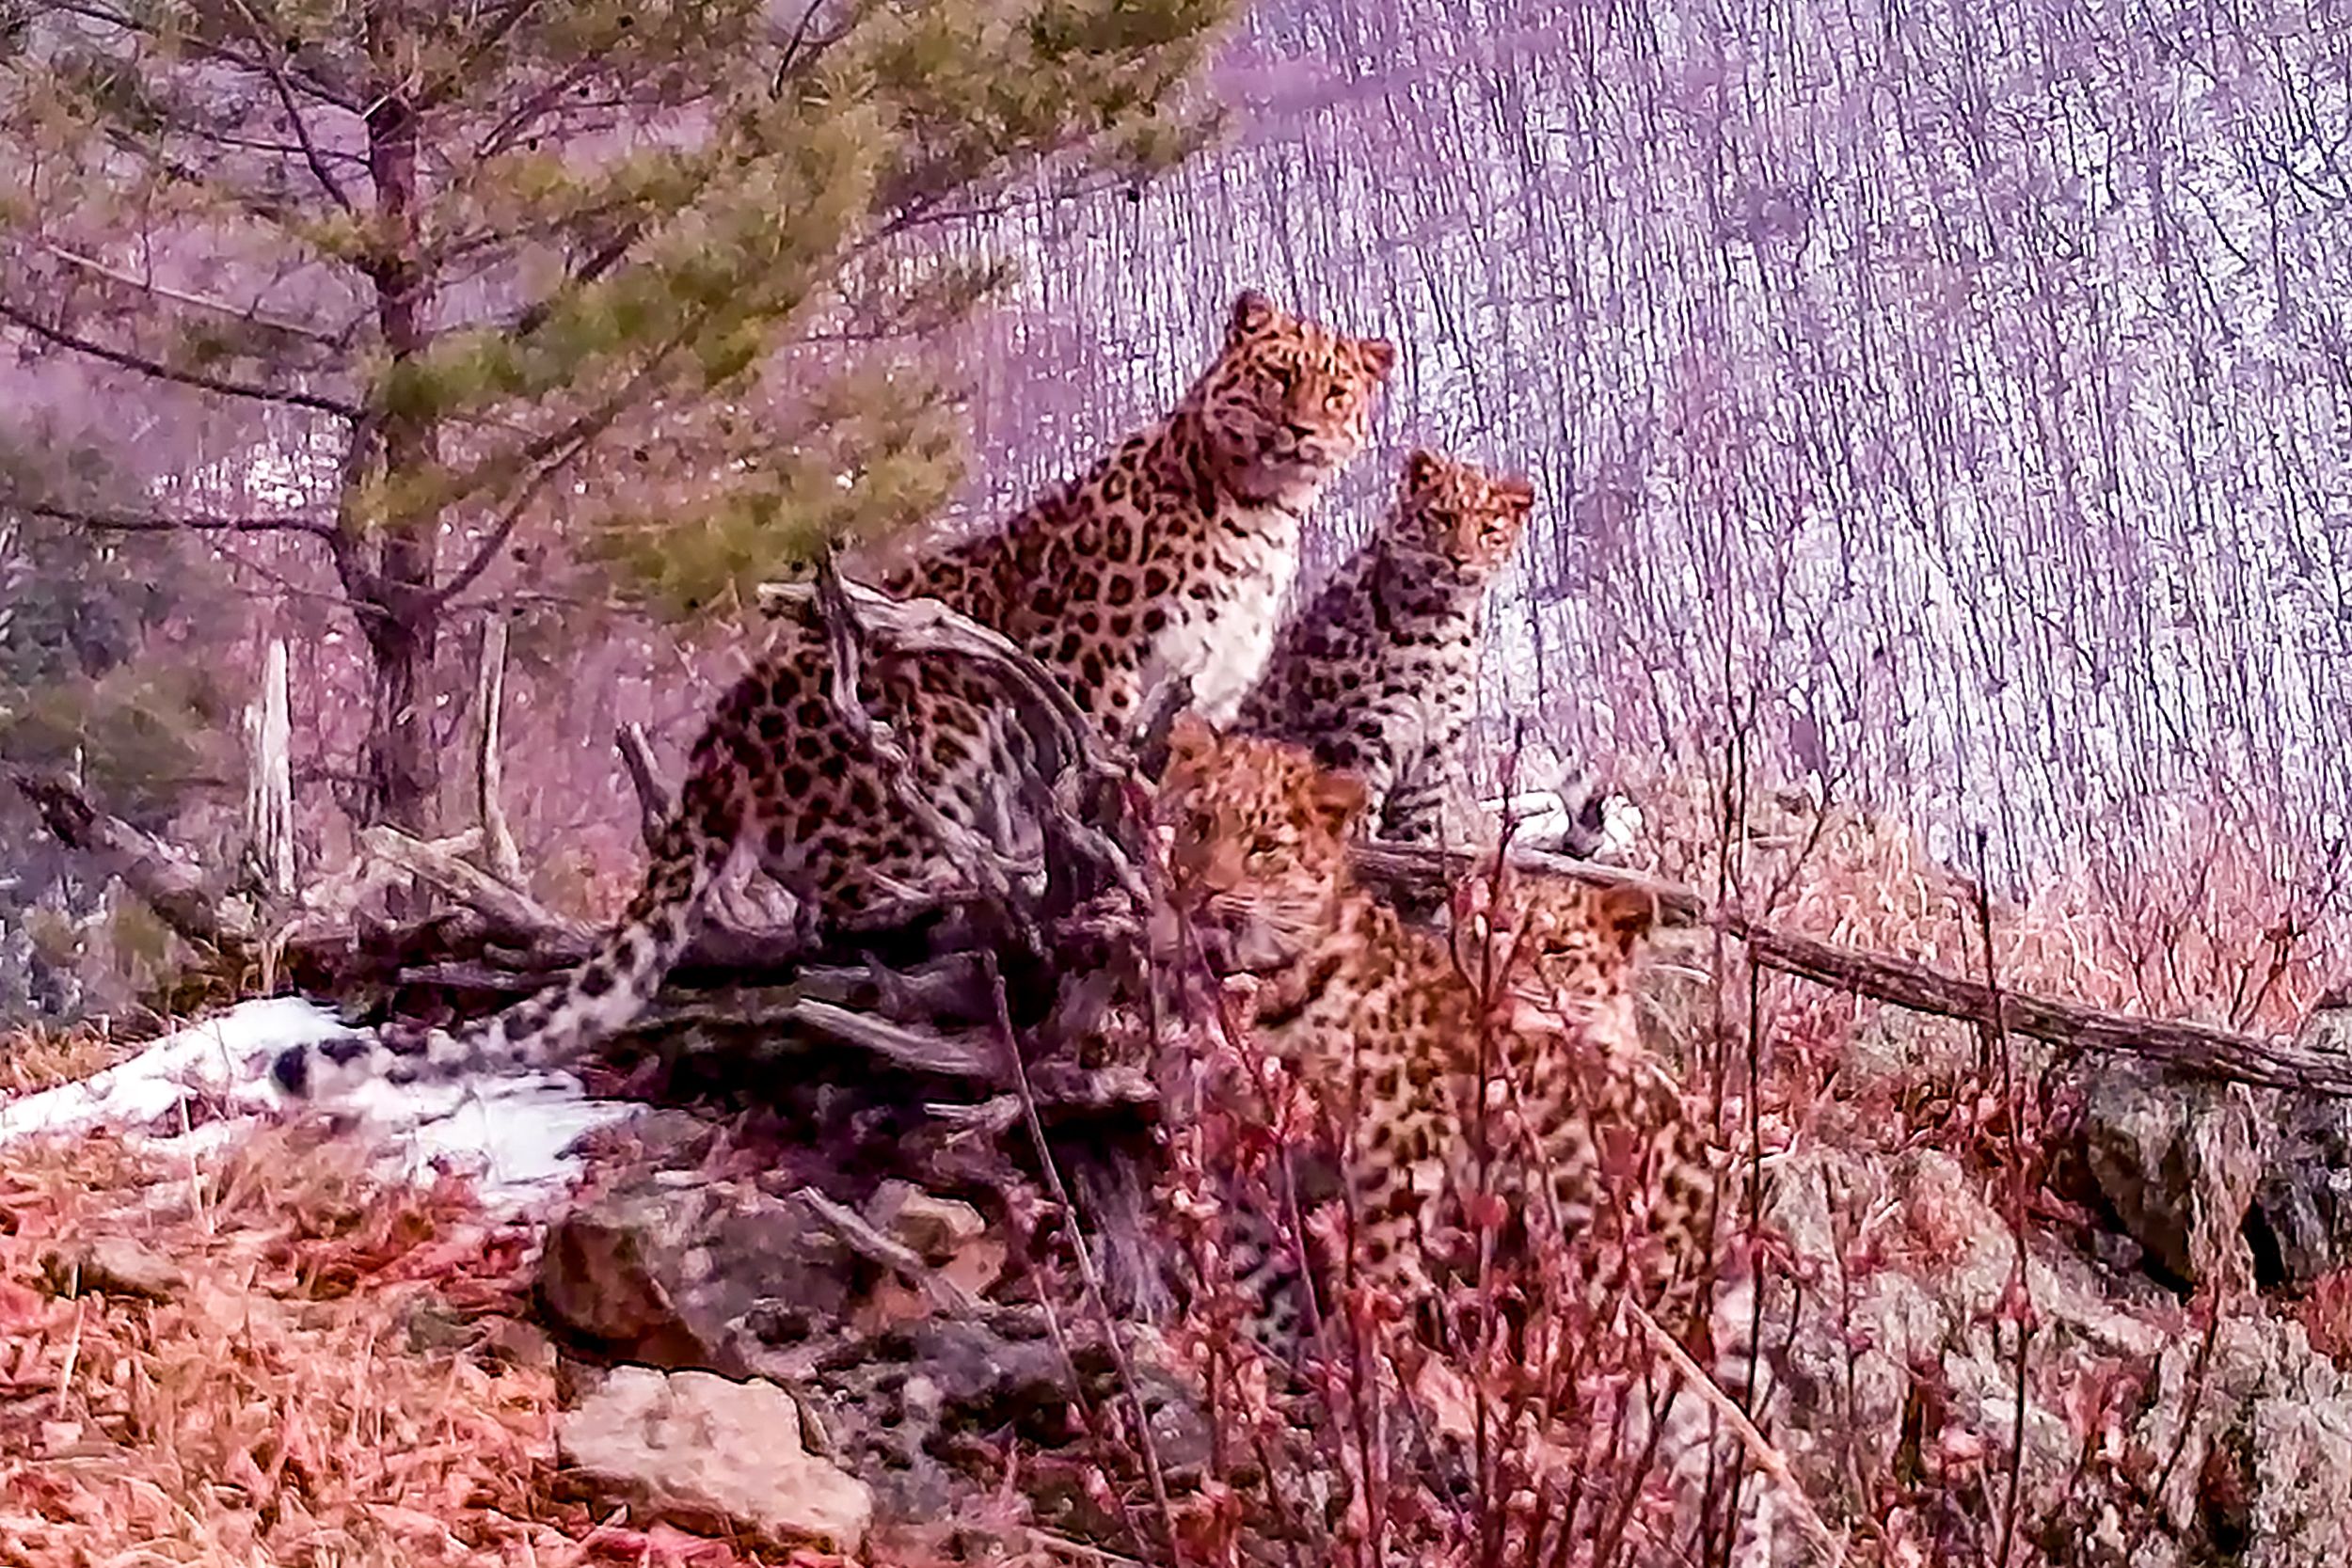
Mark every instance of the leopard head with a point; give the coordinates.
(1288, 403)
(1259, 859)
(1568, 947)
(1470, 517)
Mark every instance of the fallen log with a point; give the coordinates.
(1421, 875)
(2196, 1048)
(164, 880)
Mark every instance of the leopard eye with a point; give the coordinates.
(1335, 400)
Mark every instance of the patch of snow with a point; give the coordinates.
(512, 1133)
(228, 1055)
(199, 1090)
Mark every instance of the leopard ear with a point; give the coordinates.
(1515, 492)
(1190, 741)
(1625, 913)
(1337, 801)
(1422, 470)
(1252, 313)
(1379, 354)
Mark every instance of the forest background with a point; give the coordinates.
(1935, 407)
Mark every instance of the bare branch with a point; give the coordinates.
(251, 314)
(901, 1259)
(653, 801)
(123, 522)
(164, 880)
(503, 528)
(506, 906)
(490, 38)
(156, 369)
(301, 129)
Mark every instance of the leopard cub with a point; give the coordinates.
(1444, 1077)
(1378, 675)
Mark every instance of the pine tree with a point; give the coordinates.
(494, 254)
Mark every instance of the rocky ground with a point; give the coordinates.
(1984, 1299)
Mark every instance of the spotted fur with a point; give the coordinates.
(1170, 557)
(1378, 677)
(1384, 1023)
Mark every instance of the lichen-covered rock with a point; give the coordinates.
(932, 1228)
(697, 1274)
(1901, 1354)
(2179, 1160)
(2301, 1227)
(711, 1455)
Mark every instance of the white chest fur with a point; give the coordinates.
(1223, 645)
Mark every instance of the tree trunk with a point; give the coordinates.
(399, 762)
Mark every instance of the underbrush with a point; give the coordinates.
(345, 1373)
(1874, 1164)
(328, 1372)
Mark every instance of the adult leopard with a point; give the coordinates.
(1168, 558)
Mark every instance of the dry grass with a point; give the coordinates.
(37, 1057)
(2208, 925)
(344, 1378)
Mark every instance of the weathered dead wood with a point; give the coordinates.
(863, 1239)
(1066, 769)
(269, 849)
(1423, 874)
(167, 881)
(499, 902)
(498, 841)
(644, 778)
(2192, 1047)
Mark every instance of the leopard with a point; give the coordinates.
(1172, 560)
(1407, 1039)
(1167, 559)
(1377, 676)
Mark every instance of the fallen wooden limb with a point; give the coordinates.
(503, 905)
(2192, 1047)
(167, 881)
(1423, 874)
(870, 1243)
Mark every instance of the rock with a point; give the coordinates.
(924, 1409)
(934, 1228)
(2301, 1227)
(711, 1274)
(112, 1266)
(2256, 1440)
(2267, 1463)
(711, 1455)
(2179, 1160)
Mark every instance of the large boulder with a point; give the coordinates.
(2301, 1228)
(689, 1273)
(1896, 1368)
